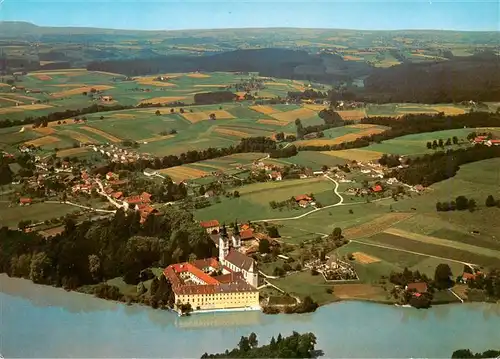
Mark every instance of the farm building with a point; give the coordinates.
(210, 226)
(275, 176)
(419, 287)
(25, 201)
(377, 189)
(107, 98)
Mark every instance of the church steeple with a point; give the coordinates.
(236, 236)
(223, 243)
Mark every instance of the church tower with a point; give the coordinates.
(236, 237)
(223, 244)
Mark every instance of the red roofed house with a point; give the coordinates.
(480, 139)
(493, 143)
(246, 235)
(145, 210)
(303, 197)
(144, 197)
(468, 276)
(111, 176)
(25, 201)
(420, 287)
(210, 226)
(275, 176)
(117, 195)
(378, 188)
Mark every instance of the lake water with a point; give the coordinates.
(40, 321)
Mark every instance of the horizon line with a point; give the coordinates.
(242, 28)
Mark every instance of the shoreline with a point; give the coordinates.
(223, 310)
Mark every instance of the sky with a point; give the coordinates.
(472, 15)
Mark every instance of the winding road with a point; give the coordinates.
(339, 203)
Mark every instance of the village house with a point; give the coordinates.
(418, 288)
(111, 176)
(480, 140)
(275, 176)
(117, 195)
(106, 98)
(211, 226)
(377, 189)
(25, 201)
(303, 203)
(143, 198)
(493, 143)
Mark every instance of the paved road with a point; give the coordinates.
(339, 203)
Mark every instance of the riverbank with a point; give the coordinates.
(42, 321)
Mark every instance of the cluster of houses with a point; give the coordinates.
(249, 238)
(333, 269)
(486, 140)
(119, 155)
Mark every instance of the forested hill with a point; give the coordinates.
(282, 63)
(459, 79)
(456, 79)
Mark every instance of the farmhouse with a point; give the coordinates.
(107, 98)
(275, 176)
(419, 287)
(196, 283)
(111, 176)
(493, 143)
(144, 197)
(25, 201)
(377, 189)
(210, 226)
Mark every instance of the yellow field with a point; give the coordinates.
(194, 117)
(69, 85)
(43, 77)
(375, 226)
(290, 116)
(266, 110)
(353, 115)
(42, 141)
(365, 258)
(314, 107)
(150, 81)
(101, 133)
(272, 122)
(361, 125)
(227, 131)
(10, 100)
(44, 130)
(199, 76)
(71, 152)
(449, 110)
(157, 138)
(23, 108)
(4, 85)
(213, 85)
(80, 90)
(80, 137)
(355, 154)
(180, 173)
(69, 73)
(163, 99)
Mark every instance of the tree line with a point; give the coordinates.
(294, 346)
(468, 354)
(441, 143)
(436, 167)
(94, 252)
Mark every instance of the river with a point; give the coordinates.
(40, 321)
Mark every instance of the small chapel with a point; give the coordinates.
(233, 259)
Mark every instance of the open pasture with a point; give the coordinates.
(352, 115)
(266, 110)
(163, 99)
(364, 258)
(181, 173)
(37, 212)
(375, 226)
(194, 117)
(77, 136)
(42, 141)
(23, 108)
(72, 152)
(312, 159)
(350, 137)
(80, 90)
(101, 133)
(355, 154)
(290, 116)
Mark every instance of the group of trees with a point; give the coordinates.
(439, 166)
(461, 203)
(389, 160)
(94, 252)
(308, 94)
(489, 283)
(208, 98)
(294, 346)
(440, 143)
(468, 354)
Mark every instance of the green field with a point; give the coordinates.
(38, 212)
(253, 203)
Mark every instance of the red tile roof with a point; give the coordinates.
(468, 276)
(229, 278)
(25, 200)
(210, 224)
(117, 195)
(110, 174)
(377, 188)
(420, 287)
(247, 234)
(303, 197)
(205, 263)
(188, 267)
